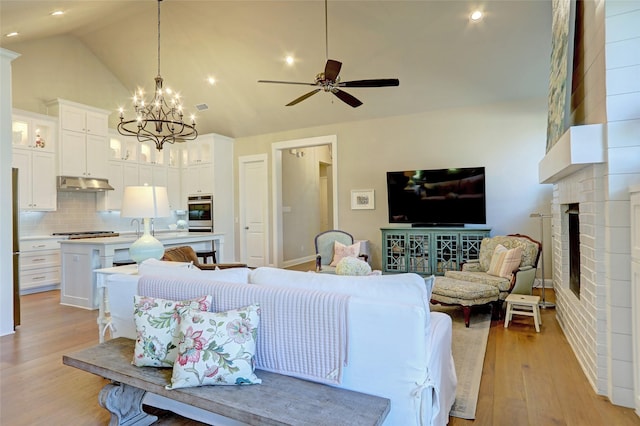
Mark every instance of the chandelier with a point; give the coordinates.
(161, 119)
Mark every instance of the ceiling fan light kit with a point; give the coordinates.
(162, 119)
(329, 80)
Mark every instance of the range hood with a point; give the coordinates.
(83, 184)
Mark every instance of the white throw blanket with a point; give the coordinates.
(302, 333)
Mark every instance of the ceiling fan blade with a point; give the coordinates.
(332, 69)
(303, 97)
(347, 98)
(286, 82)
(380, 82)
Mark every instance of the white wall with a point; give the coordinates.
(508, 139)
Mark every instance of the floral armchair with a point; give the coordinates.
(518, 281)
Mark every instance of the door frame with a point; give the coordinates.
(277, 149)
(264, 187)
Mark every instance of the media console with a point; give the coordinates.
(429, 250)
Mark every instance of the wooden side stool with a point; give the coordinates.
(521, 304)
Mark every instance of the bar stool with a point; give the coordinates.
(521, 304)
(124, 262)
(205, 254)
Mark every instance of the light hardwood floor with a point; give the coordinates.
(528, 378)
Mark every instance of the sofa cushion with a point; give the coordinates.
(503, 284)
(216, 348)
(402, 288)
(156, 321)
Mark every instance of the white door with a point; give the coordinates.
(253, 210)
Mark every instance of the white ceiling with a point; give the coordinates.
(441, 59)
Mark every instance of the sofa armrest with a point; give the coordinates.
(472, 265)
(364, 257)
(318, 263)
(523, 280)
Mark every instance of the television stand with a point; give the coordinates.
(429, 250)
(437, 225)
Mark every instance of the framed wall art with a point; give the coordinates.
(362, 199)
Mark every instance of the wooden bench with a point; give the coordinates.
(279, 400)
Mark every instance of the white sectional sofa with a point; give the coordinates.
(396, 348)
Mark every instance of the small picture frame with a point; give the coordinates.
(362, 199)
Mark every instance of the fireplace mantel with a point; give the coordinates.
(578, 147)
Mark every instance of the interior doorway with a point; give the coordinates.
(280, 149)
(253, 208)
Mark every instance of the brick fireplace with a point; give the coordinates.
(592, 167)
(590, 176)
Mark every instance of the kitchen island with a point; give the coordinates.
(80, 257)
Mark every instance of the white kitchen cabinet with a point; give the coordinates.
(39, 265)
(214, 177)
(123, 148)
(120, 174)
(174, 189)
(152, 174)
(200, 150)
(198, 179)
(83, 139)
(33, 131)
(36, 180)
(34, 145)
(150, 155)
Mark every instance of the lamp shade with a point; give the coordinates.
(145, 202)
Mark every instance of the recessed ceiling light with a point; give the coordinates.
(57, 13)
(476, 16)
(12, 34)
(289, 60)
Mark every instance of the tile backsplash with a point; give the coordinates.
(77, 213)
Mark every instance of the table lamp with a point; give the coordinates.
(145, 202)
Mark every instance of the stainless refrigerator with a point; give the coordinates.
(15, 215)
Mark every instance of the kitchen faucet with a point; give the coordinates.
(137, 226)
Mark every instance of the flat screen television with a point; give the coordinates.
(437, 197)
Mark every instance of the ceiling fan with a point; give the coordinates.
(329, 80)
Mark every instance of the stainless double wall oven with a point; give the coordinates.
(200, 213)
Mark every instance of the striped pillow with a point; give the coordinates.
(504, 261)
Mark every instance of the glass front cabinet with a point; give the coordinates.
(428, 251)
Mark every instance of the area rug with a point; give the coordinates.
(469, 346)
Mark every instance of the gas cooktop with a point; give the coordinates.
(87, 234)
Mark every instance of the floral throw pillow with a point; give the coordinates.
(156, 322)
(340, 251)
(216, 348)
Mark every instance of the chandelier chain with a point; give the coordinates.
(159, 36)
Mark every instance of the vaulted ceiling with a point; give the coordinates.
(441, 59)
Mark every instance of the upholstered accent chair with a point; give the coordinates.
(519, 281)
(187, 254)
(326, 242)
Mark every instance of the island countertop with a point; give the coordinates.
(81, 257)
(125, 240)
